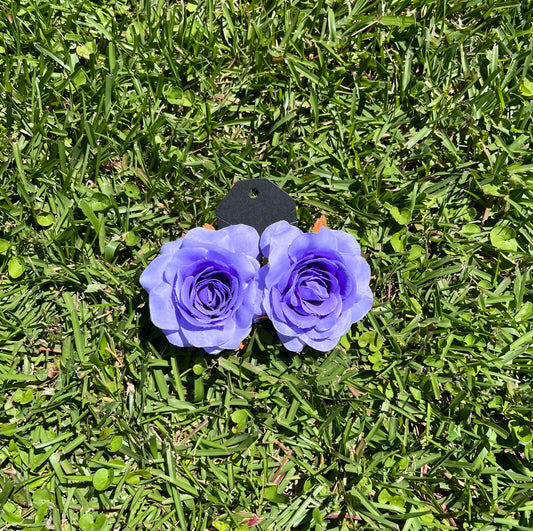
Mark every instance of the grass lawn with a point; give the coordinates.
(407, 123)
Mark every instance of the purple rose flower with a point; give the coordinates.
(315, 285)
(203, 289)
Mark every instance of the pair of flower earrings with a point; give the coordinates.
(207, 288)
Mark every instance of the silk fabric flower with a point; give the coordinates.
(315, 285)
(203, 289)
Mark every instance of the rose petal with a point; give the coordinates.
(307, 321)
(314, 244)
(153, 274)
(294, 344)
(171, 247)
(361, 271)
(363, 305)
(276, 313)
(249, 308)
(215, 337)
(201, 238)
(176, 338)
(239, 335)
(355, 281)
(162, 308)
(344, 243)
(276, 239)
(235, 238)
(243, 239)
(323, 308)
(334, 328)
(323, 345)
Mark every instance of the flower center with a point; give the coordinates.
(314, 288)
(211, 293)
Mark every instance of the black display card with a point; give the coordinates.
(256, 202)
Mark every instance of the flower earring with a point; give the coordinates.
(315, 285)
(203, 289)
